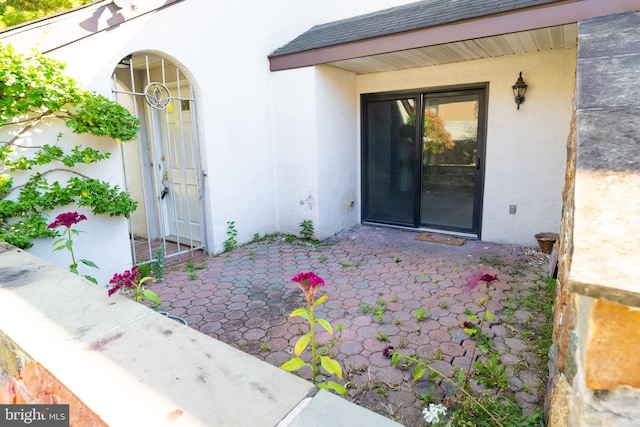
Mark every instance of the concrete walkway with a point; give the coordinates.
(377, 282)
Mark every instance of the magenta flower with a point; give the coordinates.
(67, 220)
(388, 351)
(308, 283)
(128, 279)
(480, 277)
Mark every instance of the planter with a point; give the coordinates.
(546, 241)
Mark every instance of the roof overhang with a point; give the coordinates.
(53, 32)
(399, 50)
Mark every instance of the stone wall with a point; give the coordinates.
(594, 370)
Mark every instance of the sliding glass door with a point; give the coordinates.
(422, 159)
(390, 157)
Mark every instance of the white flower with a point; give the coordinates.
(433, 413)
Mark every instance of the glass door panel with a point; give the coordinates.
(389, 160)
(449, 154)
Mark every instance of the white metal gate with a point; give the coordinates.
(162, 169)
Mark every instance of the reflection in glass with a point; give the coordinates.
(449, 152)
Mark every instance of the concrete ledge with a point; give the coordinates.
(132, 366)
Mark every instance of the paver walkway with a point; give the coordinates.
(376, 279)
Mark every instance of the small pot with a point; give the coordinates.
(546, 241)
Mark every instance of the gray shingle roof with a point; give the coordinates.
(412, 16)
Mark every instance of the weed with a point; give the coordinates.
(256, 237)
(494, 261)
(438, 355)
(397, 260)
(323, 258)
(191, 267)
(443, 304)
(345, 265)
(306, 229)
(393, 298)
(231, 243)
(264, 347)
(357, 263)
(491, 373)
(252, 255)
(382, 337)
(379, 309)
(193, 276)
(420, 314)
(158, 263)
(289, 238)
(364, 308)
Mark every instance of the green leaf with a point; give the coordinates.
(293, 364)
(320, 300)
(433, 376)
(395, 359)
(91, 279)
(489, 316)
(338, 388)
(89, 263)
(418, 372)
(331, 366)
(302, 312)
(325, 325)
(151, 296)
(301, 344)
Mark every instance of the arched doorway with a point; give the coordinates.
(162, 170)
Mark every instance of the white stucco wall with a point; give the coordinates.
(338, 147)
(295, 148)
(281, 147)
(526, 149)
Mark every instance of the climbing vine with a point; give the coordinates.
(35, 92)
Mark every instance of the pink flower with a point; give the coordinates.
(67, 219)
(480, 277)
(308, 283)
(128, 279)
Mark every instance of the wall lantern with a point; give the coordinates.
(519, 89)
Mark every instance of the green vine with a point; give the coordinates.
(33, 92)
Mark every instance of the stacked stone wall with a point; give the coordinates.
(594, 370)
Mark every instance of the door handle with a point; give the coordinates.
(477, 163)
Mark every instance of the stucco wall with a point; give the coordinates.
(526, 149)
(281, 147)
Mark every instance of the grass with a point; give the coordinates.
(420, 314)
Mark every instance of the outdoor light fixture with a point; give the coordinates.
(519, 89)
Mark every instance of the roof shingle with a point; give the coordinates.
(412, 16)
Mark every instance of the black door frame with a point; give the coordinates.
(418, 94)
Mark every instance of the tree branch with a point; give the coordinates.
(47, 173)
(34, 121)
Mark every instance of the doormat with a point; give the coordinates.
(441, 238)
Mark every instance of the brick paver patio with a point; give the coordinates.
(243, 298)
